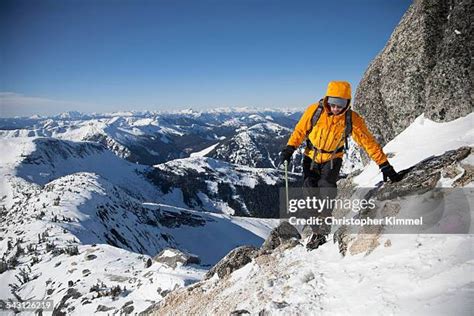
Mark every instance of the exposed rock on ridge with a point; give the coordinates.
(424, 68)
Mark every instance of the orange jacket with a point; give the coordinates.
(328, 134)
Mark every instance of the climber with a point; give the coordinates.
(325, 126)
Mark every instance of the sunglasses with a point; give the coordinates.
(339, 106)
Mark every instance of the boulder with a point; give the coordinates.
(280, 235)
(171, 257)
(234, 260)
(423, 176)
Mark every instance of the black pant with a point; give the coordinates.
(321, 182)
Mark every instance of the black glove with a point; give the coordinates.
(286, 153)
(389, 172)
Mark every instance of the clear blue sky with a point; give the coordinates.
(106, 55)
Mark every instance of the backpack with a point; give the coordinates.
(347, 128)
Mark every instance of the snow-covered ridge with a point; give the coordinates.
(401, 279)
(45, 159)
(212, 185)
(200, 183)
(150, 137)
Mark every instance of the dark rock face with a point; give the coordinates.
(59, 310)
(103, 308)
(3, 266)
(234, 260)
(278, 236)
(91, 257)
(177, 219)
(424, 68)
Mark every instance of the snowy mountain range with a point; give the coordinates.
(147, 138)
(89, 228)
(242, 136)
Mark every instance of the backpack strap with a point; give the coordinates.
(347, 128)
(315, 118)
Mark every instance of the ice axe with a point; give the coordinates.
(286, 183)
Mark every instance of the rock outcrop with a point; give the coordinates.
(234, 260)
(172, 257)
(423, 177)
(424, 68)
(282, 234)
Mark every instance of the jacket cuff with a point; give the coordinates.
(384, 165)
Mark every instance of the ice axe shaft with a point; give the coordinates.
(286, 183)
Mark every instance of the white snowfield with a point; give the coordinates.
(103, 267)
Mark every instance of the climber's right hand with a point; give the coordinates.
(286, 153)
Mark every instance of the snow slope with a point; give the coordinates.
(203, 152)
(422, 139)
(41, 160)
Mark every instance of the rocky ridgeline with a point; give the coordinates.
(424, 68)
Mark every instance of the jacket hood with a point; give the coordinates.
(338, 89)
